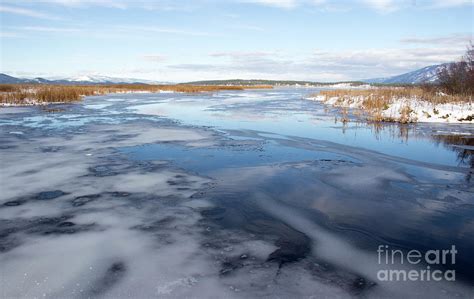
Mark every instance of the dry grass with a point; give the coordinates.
(377, 98)
(24, 94)
(9, 88)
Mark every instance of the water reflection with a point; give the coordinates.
(285, 112)
(461, 143)
(463, 146)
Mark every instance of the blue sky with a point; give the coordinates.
(318, 40)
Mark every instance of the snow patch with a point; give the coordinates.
(413, 109)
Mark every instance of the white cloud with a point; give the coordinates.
(154, 57)
(167, 30)
(164, 5)
(287, 4)
(118, 4)
(231, 15)
(317, 66)
(248, 27)
(27, 12)
(47, 29)
(243, 54)
(450, 3)
(122, 4)
(4, 34)
(389, 61)
(382, 5)
(454, 39)
(108, 32)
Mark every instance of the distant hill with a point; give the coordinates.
(427, 74)
(266, 82)
(6, 79)
(82, 80)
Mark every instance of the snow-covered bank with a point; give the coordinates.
(346, 86)
(30, 102)
(405, 109)
(145, 91)
(342, 85)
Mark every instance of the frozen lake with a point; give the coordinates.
(237, 194)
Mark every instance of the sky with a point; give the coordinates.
(177, 41)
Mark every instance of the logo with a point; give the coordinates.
(416, 265)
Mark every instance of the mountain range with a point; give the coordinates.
(427, 74)
(80, 80)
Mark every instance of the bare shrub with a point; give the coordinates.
(458, 77)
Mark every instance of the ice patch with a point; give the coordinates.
(339, 252)
(97, 106)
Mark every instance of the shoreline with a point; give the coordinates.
(13, 95)
(404, 110)
(33, 102)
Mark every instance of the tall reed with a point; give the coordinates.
(22, 94)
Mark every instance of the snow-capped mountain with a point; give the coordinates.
(98, 79)
(6, 79)
(85, 79)
(427, 74)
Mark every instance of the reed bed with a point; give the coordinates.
(29, 94)
(401, 104)
(380, 97)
